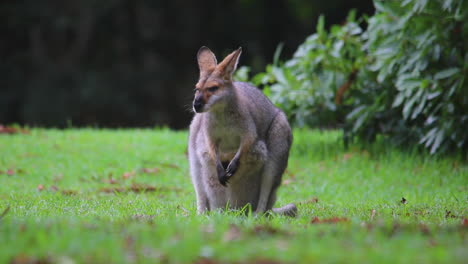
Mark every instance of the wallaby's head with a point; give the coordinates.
(215, 84)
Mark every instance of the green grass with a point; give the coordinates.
(71, 200)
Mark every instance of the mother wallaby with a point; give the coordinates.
(239, 141)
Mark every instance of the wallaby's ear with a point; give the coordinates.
(229, 64)
(206, 60)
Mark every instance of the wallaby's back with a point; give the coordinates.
(259, 106)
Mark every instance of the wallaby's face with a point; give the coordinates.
(215, 83)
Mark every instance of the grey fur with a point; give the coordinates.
(239, 114)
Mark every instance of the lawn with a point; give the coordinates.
(125, 196)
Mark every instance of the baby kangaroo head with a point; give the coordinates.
(215, 84)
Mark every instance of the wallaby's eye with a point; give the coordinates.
(212, 89)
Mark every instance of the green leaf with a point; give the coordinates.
(321, 25)
(419, 107)
(242, 74)
(408, 106)
(430, 120)
(277, 54)
(337, 47)
(438, 140)
(360, 121)
(419, 5)
(267, 92)
(433, 95)
(278, 73)
(355, 29)
(446, 73)
(429, 137)
(355, 112)
(405, 84)
(453, 88)
(398, 100)
(351, 16)
(261, 78)
(447, 5)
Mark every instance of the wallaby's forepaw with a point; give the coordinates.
(225, 175)
(224, 180)
(232, 167)
(221, 174)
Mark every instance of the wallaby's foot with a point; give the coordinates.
(287, 210)
(201, 210)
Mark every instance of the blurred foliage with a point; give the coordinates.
(132, 62)
(404, 76)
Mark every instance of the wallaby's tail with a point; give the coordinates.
(287, 210)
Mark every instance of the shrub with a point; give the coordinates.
(403, 77)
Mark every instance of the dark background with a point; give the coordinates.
(131, 63)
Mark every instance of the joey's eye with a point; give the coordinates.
(212, 89)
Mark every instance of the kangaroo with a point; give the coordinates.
(239, 141)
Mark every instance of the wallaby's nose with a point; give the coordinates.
(198, 105)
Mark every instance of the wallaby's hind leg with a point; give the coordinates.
(215, 192)
(278, 143)
(287, 210)
(195, 172)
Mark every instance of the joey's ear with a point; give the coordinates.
(206, 60)
(229, 64)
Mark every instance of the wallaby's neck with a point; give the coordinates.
(227, 109)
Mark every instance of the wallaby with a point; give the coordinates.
(239, 141)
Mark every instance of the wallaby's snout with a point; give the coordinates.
(198, 104)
